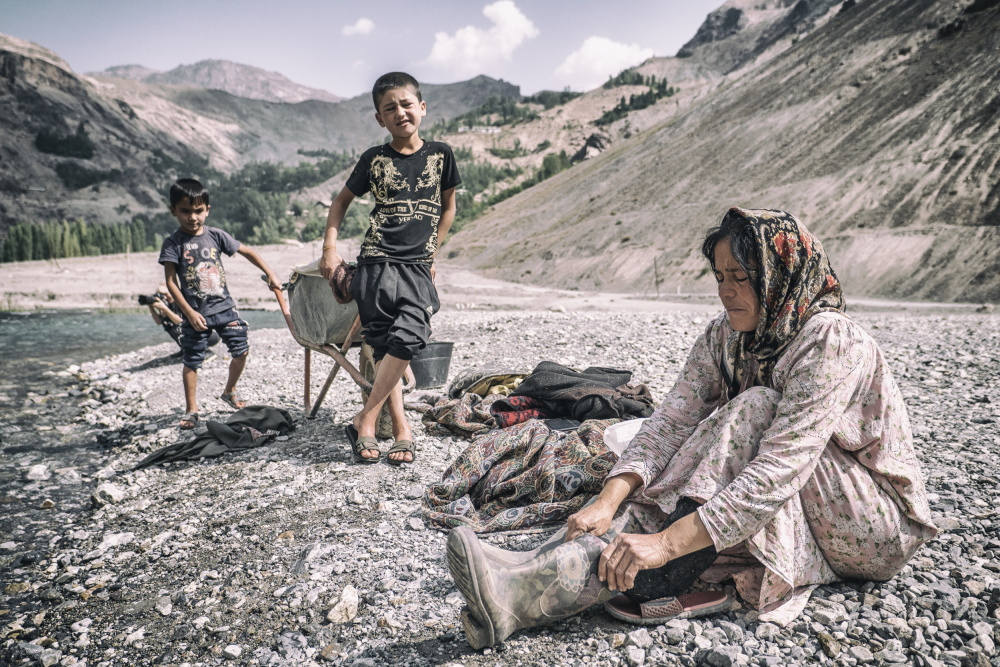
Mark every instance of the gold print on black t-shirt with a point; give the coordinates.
(385, 178)
(431, 176)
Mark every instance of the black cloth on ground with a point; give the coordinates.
(594, 393)
(252, 426)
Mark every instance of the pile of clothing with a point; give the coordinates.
(537, 452)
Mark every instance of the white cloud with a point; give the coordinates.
(362, 27)
(597, 59)
(472, 50)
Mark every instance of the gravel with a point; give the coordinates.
(291, 554)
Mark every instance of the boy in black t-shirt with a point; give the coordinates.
(192, 263)
(413, 184)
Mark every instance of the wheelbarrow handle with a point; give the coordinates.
(283, 304)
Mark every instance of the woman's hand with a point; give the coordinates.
(594, 518)
(328, 262)
(627, 555)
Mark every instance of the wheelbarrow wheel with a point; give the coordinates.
(383, 430)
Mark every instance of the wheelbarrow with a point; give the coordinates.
(319, 323)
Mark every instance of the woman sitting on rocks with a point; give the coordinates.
(784, 442)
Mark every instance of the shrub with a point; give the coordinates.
(76, 177)
(551, 98)
(72, 145)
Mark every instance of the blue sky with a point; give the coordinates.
(343, 46)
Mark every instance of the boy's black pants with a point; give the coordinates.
(395, 302)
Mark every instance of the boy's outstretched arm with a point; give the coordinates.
(258, 261)
(334, 219)
(196, 319)
(448, 209)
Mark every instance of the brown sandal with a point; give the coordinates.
(656, 612)
(402, 446)
(364, 443)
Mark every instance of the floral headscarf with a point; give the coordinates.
(797, 282)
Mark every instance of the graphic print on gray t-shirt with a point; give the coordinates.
(407, 192)
(199, 267)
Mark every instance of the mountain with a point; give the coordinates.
(748, 31)
(878, 128)
(234, 78)
(232, 131)
(92, 141)
(101, 147)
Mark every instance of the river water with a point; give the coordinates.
(39, 341)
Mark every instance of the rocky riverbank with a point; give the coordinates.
(292, 554)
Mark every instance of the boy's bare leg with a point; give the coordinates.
(388, 373)
(189, 377)
(400, 425)
(236, 367)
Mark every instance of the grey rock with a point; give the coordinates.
(233, 651)
(414, 523)
(640, 638)
(893, 605)
(106, 493)
(861, 654)
(675, 635)
(164, 606)
(636, 656)
(722, 656)
(414, 493)
(105, 473)
(767, 632)
(38, 473)
(891, 656)
(734, 633)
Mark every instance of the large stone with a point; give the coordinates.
(722, 656)
(830, 645)
(767, 632)
(38, 473)
(893, 605)
(346, 608)
(105, 494)
(232, 652)
(861, 654)
(733, 632)
(640, 638)
(675, 635)
(636, 656)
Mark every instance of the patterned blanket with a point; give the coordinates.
(521, 477)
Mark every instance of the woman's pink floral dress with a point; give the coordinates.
(816, 478)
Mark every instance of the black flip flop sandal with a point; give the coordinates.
(402, 446)
(362, 443)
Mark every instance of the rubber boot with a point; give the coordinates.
(558, 582)
(498, 556)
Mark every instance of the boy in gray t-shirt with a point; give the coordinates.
(192, 263)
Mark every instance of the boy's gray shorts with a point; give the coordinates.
(395, 302)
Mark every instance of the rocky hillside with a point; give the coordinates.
(234, 78)
(879, 129)
(67, 148)
(741, 32)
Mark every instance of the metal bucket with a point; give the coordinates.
(430, 367)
